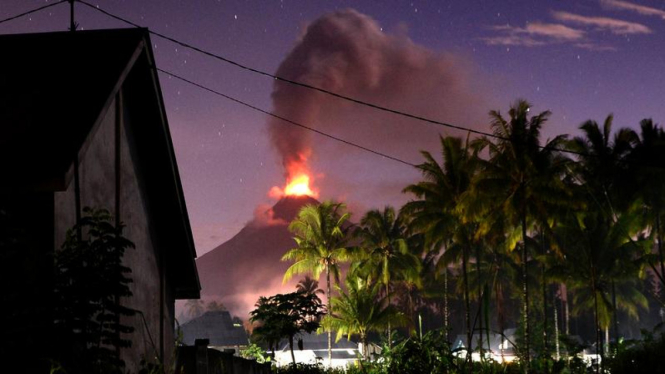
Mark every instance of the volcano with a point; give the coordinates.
(249, 265)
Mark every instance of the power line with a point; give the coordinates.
(304, 85)
(284, 119)
(296, 83)
(319, 89)
(31, 11)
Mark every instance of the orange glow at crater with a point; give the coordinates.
(299, 186)
(299, 179)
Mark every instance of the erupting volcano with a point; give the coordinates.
(299, 185)
(249, 265)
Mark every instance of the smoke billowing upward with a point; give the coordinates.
(348, 53)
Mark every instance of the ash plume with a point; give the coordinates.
(349, 53)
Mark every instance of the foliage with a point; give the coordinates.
(321, 235)
(195, 307)
(90, 279)
(254, 352)
(645, 356)
(360, 310)
(285, 315)
(306, 369)
(431, 354)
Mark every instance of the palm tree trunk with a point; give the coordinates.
(556, 329)
(480, 305)
(293, 357)
(616, 317)
(445, 303)
(329, 311)
(363, 341)
(545, 298)
(660, 254)
(467, 311)
(390, 335)
(599, 351)
(525, 293)
(566, 312)
(500, 316)
(445, 299)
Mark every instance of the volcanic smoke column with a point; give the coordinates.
(348, 53)
(335, 55)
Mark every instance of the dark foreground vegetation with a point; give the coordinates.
(560, 240)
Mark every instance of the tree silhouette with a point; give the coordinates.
(321, 237)
(285, 315)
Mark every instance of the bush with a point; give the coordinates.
(640, 357)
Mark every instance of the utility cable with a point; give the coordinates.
(325, 91)
(31, 11)
(284, 119)
(295, 83)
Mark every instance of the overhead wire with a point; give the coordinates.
(315, 88)
(296, 83)
(31, 11)
(284, 119)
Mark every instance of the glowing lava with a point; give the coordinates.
(299, 186)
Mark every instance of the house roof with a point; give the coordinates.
(495, 340)
(316, 342)
(55, 89)
(216, 326)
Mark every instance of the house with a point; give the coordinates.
(83, 124)
(499, 348)
(315, 350)
(218, 328)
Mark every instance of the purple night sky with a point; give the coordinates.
(450, 62)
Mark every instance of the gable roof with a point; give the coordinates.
(217, 326)
(319, 342)
(55, 89)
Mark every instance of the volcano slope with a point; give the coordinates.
(249, 265)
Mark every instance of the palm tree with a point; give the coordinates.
(601, 162)
(194, 307)
(524, 179)
(215, 306)
(321, 237)
(386, 254)
(601, 263)
(647, 161)
(599, 170)
(439, 212)
(361, 309)
(309, 286)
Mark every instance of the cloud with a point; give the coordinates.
(641, 9)
(534, 34)
(612, 25)
(554, 31)
(595, 47)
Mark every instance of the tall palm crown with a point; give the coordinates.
(599, 260)
(386, 255)
(383, 238)
(601, 161)
(647, 164)
(321, 237)
(361, 309)
(439, 212)
(523, 178)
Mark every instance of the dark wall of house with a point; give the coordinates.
(26, 270)
(153, 324)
